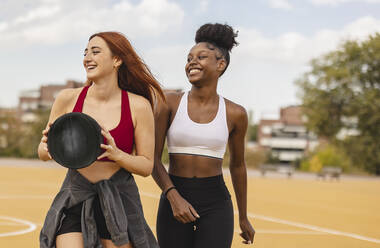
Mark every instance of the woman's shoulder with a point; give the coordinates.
(236, 111)
(173, 98)
(64, 102)
(173, 94)
(138, 102)
(66, 96)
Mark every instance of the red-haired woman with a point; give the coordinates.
(99, 206)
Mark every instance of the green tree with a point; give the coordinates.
(32, 133)
(342, 91)
(252, 132)
(22, 139)
(326, 155)
(10, 131)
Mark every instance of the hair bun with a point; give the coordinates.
(221, 35)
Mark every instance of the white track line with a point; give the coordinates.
(296, 224)
(263, 231)
(11, 224)
(256, 216)
(31, 226)
(26, 197)
(314, 228)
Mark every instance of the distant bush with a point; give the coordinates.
(270, 158)
(22, 139)
(326, 155)
(253, 158)
(165, 155)
(252, 132)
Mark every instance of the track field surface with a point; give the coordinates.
(301, 212)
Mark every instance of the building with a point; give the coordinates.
(42, 98)
(286, 138)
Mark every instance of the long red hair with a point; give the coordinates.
(133, 74)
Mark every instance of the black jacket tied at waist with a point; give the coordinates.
(119, 201)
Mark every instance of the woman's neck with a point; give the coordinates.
(204, 94)
(104, 89)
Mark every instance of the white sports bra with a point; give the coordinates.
(206, 139)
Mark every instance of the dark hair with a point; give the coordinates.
(222, 36)
(133, 74)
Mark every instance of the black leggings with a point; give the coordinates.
(211, 199)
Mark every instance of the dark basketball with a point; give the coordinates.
(74, 140)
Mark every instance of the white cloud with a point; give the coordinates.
(168, 64)
(280, 4)
(64, 21)
(204, 5)
(266, 67)
(337, 2)
(38, 13)
(3, 26)
(361, 28)
(296, 48)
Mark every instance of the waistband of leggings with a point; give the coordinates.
(197, 182)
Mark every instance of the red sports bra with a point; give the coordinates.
(123, 132)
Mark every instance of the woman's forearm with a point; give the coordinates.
(239, 181)
(161, 176)
(139, 165)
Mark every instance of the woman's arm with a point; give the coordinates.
(141, 163)
(183, 211)
(161, 117)
(59, 108)
(238, 171)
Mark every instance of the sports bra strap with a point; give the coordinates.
(79, 104)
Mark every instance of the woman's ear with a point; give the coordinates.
(117, 62)
(221, 65)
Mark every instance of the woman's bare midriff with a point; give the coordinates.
(99, 171)
(194, 166)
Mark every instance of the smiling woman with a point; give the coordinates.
(99, 205)
(195, 207)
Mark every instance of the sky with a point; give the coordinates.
(42, 41)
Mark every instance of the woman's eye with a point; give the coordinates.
(93, 52)
(202, 57)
